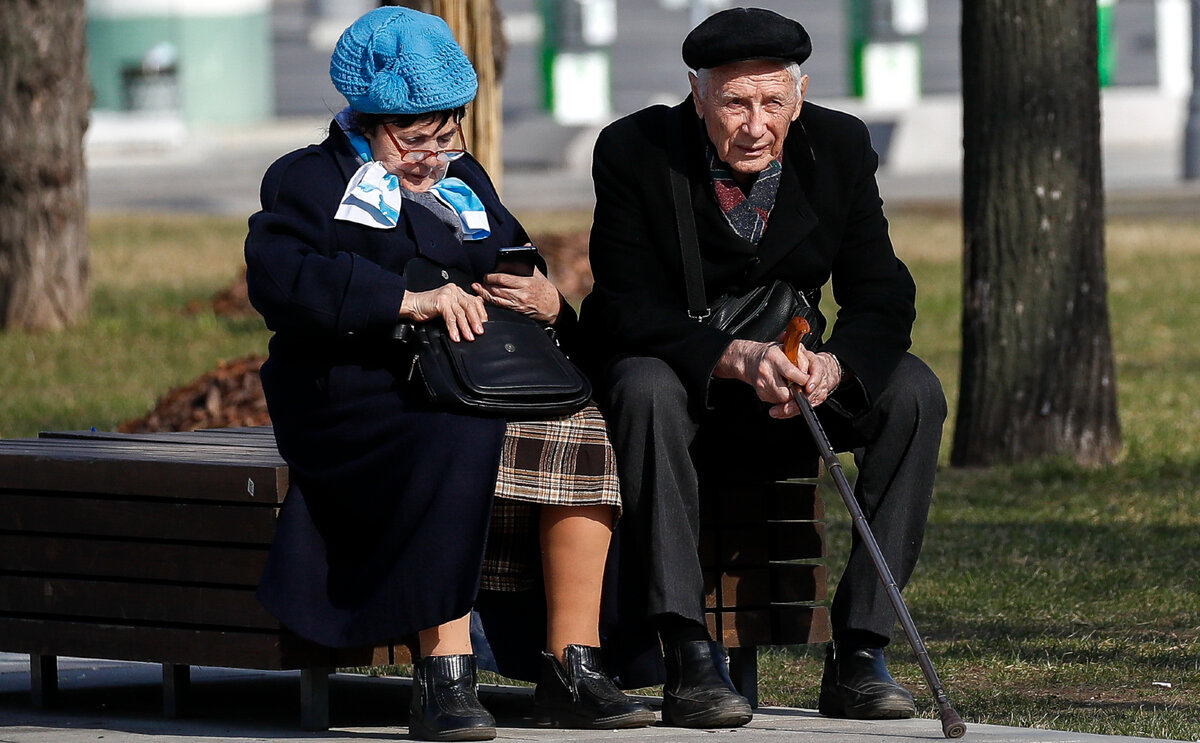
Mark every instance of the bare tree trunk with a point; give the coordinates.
(1037, 364)
(44, 100)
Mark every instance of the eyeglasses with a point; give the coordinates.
(417, 156)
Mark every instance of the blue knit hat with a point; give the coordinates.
(395, 60)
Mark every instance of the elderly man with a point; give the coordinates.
(779, 189)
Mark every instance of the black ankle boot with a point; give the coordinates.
(856, 684)
(698, 692)
(580, 694)
(445, 703)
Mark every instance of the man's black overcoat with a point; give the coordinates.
(827, 222)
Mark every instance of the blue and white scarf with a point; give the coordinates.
(374, 197)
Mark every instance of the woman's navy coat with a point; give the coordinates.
(383, 531)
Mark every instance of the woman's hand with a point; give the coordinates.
(464, 313)
(534, 295)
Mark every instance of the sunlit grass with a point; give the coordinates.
(140, 339)
(1049, 595)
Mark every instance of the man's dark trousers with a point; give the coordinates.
(659, 437)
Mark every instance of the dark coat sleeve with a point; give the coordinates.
(872, 287)
(299, 277)
(637, 305)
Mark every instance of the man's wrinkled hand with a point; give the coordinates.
(822, 374)
(767, 369)
(764, 367)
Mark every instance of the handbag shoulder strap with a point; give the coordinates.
(685, 222)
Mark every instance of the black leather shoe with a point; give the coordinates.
(856, 684)
(698, 692)
(445, 702)
(581, 695)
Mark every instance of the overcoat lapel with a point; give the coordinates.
(792, 218)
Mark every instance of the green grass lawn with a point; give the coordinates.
(1049, 595)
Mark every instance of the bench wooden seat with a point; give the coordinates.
(762, 549)
(148, 547)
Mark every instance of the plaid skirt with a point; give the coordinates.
(560, 462)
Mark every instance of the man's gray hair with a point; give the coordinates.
(704, 77)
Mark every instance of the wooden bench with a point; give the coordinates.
(762, 549)
(148, 547)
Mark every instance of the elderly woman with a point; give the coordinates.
(383, 533)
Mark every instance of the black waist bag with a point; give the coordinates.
(762, 313)
(514, 369)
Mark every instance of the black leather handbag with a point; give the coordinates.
(514, 369)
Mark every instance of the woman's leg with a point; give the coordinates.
(574, 543)
(573, 689)
(451, 638)
(444, 703)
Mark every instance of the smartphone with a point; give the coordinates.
(518, 260)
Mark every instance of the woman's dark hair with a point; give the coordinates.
(370, 122)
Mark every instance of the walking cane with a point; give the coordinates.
(952, 724)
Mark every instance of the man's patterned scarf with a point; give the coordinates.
(747, 215)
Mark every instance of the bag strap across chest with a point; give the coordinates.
(685, 223)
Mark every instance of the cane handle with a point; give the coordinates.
(797, 328)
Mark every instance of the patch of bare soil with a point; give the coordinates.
(229, 396)
(233, 301)
(567, 258)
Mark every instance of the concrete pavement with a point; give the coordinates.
(121, 703)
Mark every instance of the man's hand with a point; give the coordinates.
(764, 367)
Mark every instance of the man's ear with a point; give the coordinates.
(803, 92)
(695, 83)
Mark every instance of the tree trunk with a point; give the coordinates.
(477, 28)
(1037, 361)
(44, 100)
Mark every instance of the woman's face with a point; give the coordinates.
(389, 143)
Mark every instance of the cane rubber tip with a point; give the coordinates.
(953, 726)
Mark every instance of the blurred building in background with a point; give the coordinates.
(203, 61)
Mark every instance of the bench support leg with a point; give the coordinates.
(314, 698)
(743, 670)
(176, 688)
(43, 679)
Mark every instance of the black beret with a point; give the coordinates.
(745, 33)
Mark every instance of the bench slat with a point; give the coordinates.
(750, 502)
(105, 558)
(114, 641)
(133, 602)
(131, 468)
(136, 449)
(158, 520)
(790, 583)
(781, 624)
(248, 437)
(763, 543)
(197, 647)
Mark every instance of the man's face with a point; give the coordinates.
(747, 108)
